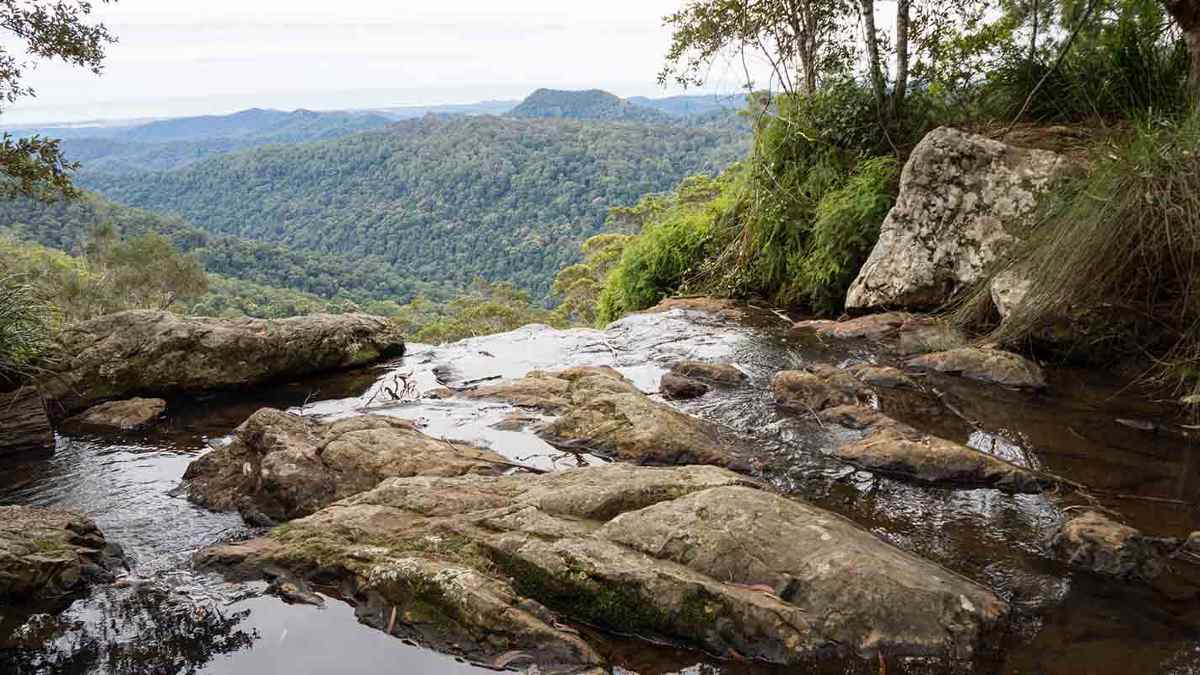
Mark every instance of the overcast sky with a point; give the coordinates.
(185, 57)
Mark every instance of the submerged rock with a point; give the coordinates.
(127, 415)
(695, 555)
(601, 412)
(721, 308)
(962, 197)
(814, 390)
(882, 376)
(984, 364)
(24, 425)
(897, 449)
(871, 326)
(679, 387)
(1093, 542)
(717, 373)
(47, 553)
(152, 352)
(281, 466)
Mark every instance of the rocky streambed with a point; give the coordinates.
(706, 488)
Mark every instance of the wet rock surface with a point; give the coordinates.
(1094, 542)
(281, 466)
(602, 412)
(987, 365)
(152, 352)
(127, 415)
(961, 197)
(815, 390)
(716, 373)
(871, 326)
(49, 553)
(697, 555)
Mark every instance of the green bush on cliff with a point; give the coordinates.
(26, 321)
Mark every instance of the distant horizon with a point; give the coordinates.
(131, 112)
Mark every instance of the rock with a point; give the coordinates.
(48, 553)
(678, 387)
(871, 326)
(882, 376)
(1008, 289)
(925, 334)
(294, 592)
(961, 198)
(158, 353)
(1093, 542)
(601, 412)
(24, 425)
(281, 466)
(439, 394)
(811, 391)
(897, 449)
(984, 364)
(127, 415)
(717, 373)
(721, 308)
(852, 416)
(697, 555)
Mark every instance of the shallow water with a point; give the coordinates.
(171, 619)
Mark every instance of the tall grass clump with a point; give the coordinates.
(26, 322)
(1115, 257)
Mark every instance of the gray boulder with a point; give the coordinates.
(48, 553)
(1093, 542)
(962, 198)
(127, 415)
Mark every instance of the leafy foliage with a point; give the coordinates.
(485, 309)
(579, 286)
(594, 104)
(441, 200)
(25, 329)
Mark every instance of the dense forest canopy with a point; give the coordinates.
(438, 199)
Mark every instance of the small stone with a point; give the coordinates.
(1094, 542)
(986, 365)
(681, 388)
(128, 415)
(719, 373)
(808, 391)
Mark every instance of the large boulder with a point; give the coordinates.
(697, 555)
(24, 424)
(601, 412)
(159, 353)
(281, 466)
(962, 197)
(48, 553)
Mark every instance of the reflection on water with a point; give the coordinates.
(171, 619)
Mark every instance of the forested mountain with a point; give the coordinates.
(68, 225)
(169, 144)
(590, 104)
(441, 199)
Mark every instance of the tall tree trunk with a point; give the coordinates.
(872, 38)
(902, 20)
(1187, 14)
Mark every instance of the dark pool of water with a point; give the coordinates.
(171, 619)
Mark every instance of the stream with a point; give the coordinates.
(166, 617)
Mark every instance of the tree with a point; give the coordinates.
(801, 39)
(1186, 13)
(48, 30)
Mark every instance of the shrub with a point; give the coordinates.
(26, 321)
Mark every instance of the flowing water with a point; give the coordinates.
(167, 618)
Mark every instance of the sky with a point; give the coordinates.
(188, 57)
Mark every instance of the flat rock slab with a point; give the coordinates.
(159, 353)
(601, 412)
(896, 449)
(986, 365)
(695, 555)
(871, 326)
(281, 466)
(49, 553)
(127, 415)
(1094, 542)
(24, 424)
